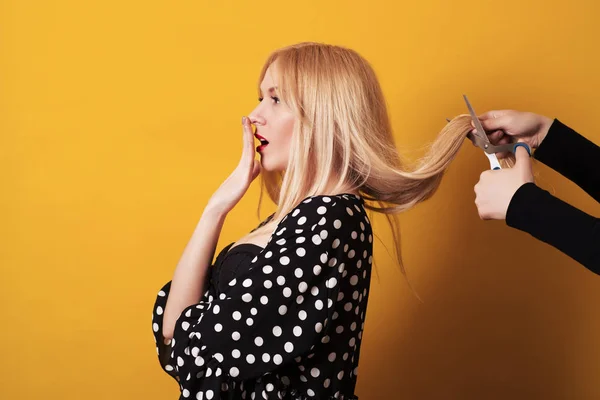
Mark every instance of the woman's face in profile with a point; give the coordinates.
(274, 123)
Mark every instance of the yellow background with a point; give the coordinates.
(119, 119)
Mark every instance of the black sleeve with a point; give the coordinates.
(573, 156)
(551, 220)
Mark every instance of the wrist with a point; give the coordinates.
(545, 125)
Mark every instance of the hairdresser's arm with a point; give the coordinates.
(559, 224)
(189, 280)
(573, 156)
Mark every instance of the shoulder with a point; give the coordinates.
(337, 212)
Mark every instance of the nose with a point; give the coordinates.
(256, 117)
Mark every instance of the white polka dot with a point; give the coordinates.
(301, 252)
(318, 327)
(331, 282)
(326, 383)
(277, 359)
(319, 305)
(266, 357)
(296, 212)
(159, 310)
(162, 293)
(315, 372)
(348, 306)
(316, 239)
(249, 321)
(216, 309)
(300, 240)
(354, 235)
(336, 243)
(180, 361)
(287, 292)
(232, 282)
(352, 342)
(280, 242)
(218, 327)
(168, 367)
(199, 361)
(324, 235)
(258, 341)
(247, 283)
(302, 287)
(250, 359)
(354, 280)
(301, 220)
(298, 272)
(280, 280)
(300, 299)
(314, 291)
(268, 254)
(209, 394)
(310, 392)
(282, 310)
(185, 325)
(325, 339)
(185, 393)
(155, 327)
(284, 260)
(236, 353)
(322, 221)
(234, 372)
(277, 331)
(302, 315)
(349, 211)
(247, 297)
(331, 357)
(317, 270)
(351, 254)
(253, 311)
(289, 347)
(267, 269)
(268, 284)
(297, 331)
(339, 329)
(340, 375)
(324, 258)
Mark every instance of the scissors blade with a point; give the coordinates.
(480, 131)
(494, 164)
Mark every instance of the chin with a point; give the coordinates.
(270, 167)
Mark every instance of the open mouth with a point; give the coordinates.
(263, 142)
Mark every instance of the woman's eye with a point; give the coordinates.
(276, 99)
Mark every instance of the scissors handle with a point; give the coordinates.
(494, 163)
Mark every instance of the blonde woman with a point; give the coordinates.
(280, 313)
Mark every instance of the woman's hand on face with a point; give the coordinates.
(235, 186)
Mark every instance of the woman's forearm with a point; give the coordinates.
(189, 280)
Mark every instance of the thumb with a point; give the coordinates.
(523, 160)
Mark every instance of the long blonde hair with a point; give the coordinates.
(343, 138)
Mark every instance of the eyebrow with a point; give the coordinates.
(271, 89)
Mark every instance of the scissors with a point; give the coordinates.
(481, 140)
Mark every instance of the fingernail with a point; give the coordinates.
(243, 120)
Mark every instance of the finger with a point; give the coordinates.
(500, 123)
(248, 139)
(495, 137)
(493, 114)
(523, 161)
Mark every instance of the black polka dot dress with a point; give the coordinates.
(283, 322)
